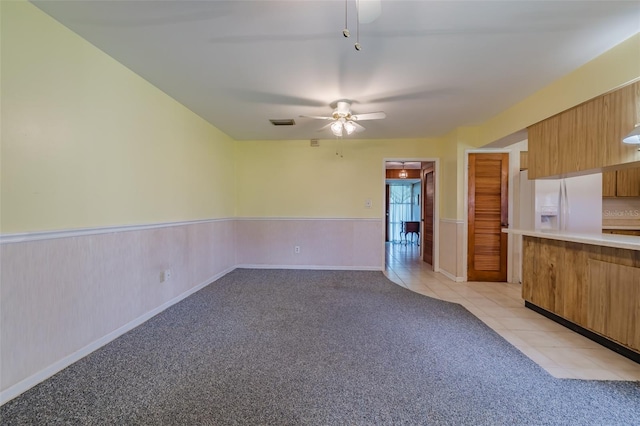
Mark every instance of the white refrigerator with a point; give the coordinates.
(570, 204)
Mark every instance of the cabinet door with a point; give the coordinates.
(539, 272)
(524, 160)
(571, 141)
(569, 132)
(627, 183)
(543, 148)
(609, 184)
(612, 293)
(580, 137)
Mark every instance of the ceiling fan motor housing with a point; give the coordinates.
(343, 109)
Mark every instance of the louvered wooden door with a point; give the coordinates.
(488, 213)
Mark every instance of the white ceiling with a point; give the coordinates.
(430, 65)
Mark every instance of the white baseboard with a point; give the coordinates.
(451, 276)
(26, 384)
(313, 267)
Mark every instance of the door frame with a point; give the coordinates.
(465, 227)
(436, 206)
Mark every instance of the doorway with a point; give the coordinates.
(415, 229)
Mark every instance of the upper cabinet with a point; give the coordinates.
(524, 160)
(621, 183)
(586, 138)
(609, 184)
(543, 148)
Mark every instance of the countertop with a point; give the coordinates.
(629, 242)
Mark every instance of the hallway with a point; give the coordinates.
(560, 351)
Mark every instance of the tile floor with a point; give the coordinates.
(560, 351)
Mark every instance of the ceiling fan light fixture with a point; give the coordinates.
(342, 120)
(336, 128)
(349, 127)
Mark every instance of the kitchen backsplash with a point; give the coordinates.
(621, 211)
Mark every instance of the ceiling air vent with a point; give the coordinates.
(283, 122)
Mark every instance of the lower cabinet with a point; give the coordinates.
(595, 287)
(613, 295)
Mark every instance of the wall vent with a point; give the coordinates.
(315, 142)
(283, 122)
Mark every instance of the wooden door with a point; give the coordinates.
(488, 213)
(428, 194)
(386, 209)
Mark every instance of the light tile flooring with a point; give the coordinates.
(560, 351)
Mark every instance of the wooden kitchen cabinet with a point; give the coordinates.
(580, 138)
(628, 183)
(621, 183)
(620, 113)
(609, 184)
(524, 160)
(586, 138)
(594, 287)
(543, 159)
(612, 294)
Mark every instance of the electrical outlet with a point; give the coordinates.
(165, 275)
(296, 249)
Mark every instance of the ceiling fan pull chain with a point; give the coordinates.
(357, 45)
(345, 32)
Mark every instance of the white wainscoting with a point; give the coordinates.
(324, 243)
(65, 296)
(451, 246)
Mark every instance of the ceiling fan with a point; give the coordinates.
(343, 121)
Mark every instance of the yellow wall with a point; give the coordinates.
(292, 179)
(449, 178)
(614, 68)
(86, 142)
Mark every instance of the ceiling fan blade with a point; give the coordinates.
(369, 116)
(272, 98)
(411, 95)
(317, 117)
(326, 126)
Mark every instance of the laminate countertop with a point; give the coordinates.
(629, 242)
